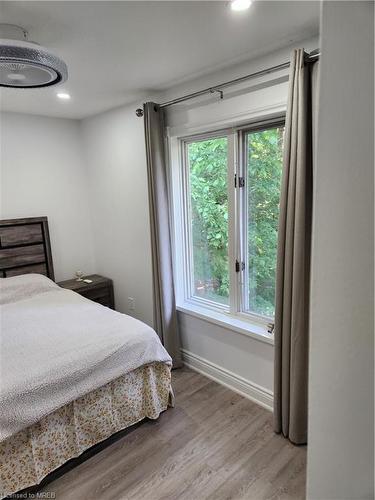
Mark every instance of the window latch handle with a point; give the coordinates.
(240, 266)
(270, 327)
(240, 181)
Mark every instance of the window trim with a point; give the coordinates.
(229, 321)
(250, 323)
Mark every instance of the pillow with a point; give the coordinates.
(24, 286)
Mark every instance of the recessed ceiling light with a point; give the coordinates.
(240, 4)
(63, 95)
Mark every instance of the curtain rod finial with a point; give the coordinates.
(139, 112)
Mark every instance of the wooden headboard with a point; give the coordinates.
(25, 247)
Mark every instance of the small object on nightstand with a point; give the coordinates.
(93, 287)
(79, 275)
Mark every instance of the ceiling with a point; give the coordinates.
(118, 52)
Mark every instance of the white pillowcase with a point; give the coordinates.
(24, 286)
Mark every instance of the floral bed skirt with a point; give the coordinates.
(28, 456)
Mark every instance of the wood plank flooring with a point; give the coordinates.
(213, 445)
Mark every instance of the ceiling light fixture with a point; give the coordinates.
(238, 5)
(63, 95)
(25, 64)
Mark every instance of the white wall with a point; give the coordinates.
(240, 355)
(43, 173)
(341, 411)
(117, 177)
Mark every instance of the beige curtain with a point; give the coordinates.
(293, 258)
(165, 318)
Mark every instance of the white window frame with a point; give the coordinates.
(233, 314)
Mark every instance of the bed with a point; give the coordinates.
(72, 371)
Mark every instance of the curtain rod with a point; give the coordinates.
(310, 58)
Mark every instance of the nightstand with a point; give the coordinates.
(100, 290)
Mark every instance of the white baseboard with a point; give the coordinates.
(250, 390)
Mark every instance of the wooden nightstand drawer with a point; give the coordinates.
(96, 293)
(100, 290)
(104, 301)
(101, 295)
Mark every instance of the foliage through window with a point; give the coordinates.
(264, 167)
(209, 217)
(232, 192)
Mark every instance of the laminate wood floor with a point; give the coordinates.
(213, 445)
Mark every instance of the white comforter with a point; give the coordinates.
(57, 346)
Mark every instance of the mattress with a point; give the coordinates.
(57, 346)
(28, 456)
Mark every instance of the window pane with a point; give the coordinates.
(264, 167)
(207, 163)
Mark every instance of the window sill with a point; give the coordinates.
(251, 329)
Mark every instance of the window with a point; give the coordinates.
(230, 190)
